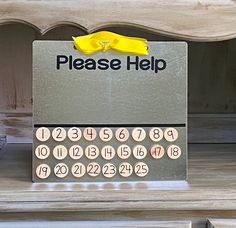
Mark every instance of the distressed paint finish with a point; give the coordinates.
(221, 223)
(186, 19)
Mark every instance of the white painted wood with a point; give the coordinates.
(186, 19)
(221, 223)
(97, 224)
(17, 127)
(198, 218)
(15, 68)
(16, 63)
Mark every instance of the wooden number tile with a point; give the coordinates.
(122, 134)
(156, 134)
(42, 152)
(43, 171)
(108, 152)
(76, 152)
(78, 170)
(173, 152)
(61, 170)
(171, 134)
(74, 134)
(91, 152)
(125, 169)
(105, 134)
(138, 134)
(59, 134)
(60, 152)
(141, 169)
(90, 133)
(123, 151)
(139, 152)
(93, 169)
(109, 170)
(43, 134)
(157, 151)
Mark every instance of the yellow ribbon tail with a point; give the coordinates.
(102, 41)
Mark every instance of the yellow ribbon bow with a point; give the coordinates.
(102, 41)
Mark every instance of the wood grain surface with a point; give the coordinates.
(212, 128)
(16, 63)
(97, 224)
(211, 186)
(197, 218)
(202, 128)
(186, 19)
(221, 223)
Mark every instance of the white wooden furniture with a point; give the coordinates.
(210, 29)
(221, 223)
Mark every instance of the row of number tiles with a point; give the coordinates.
(106, 134)
(93, 169)
(108, 152)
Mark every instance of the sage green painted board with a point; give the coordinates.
(109, 96)
(124, 98)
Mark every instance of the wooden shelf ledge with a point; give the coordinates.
(183, 19)
(211, 186)
(202, 128)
